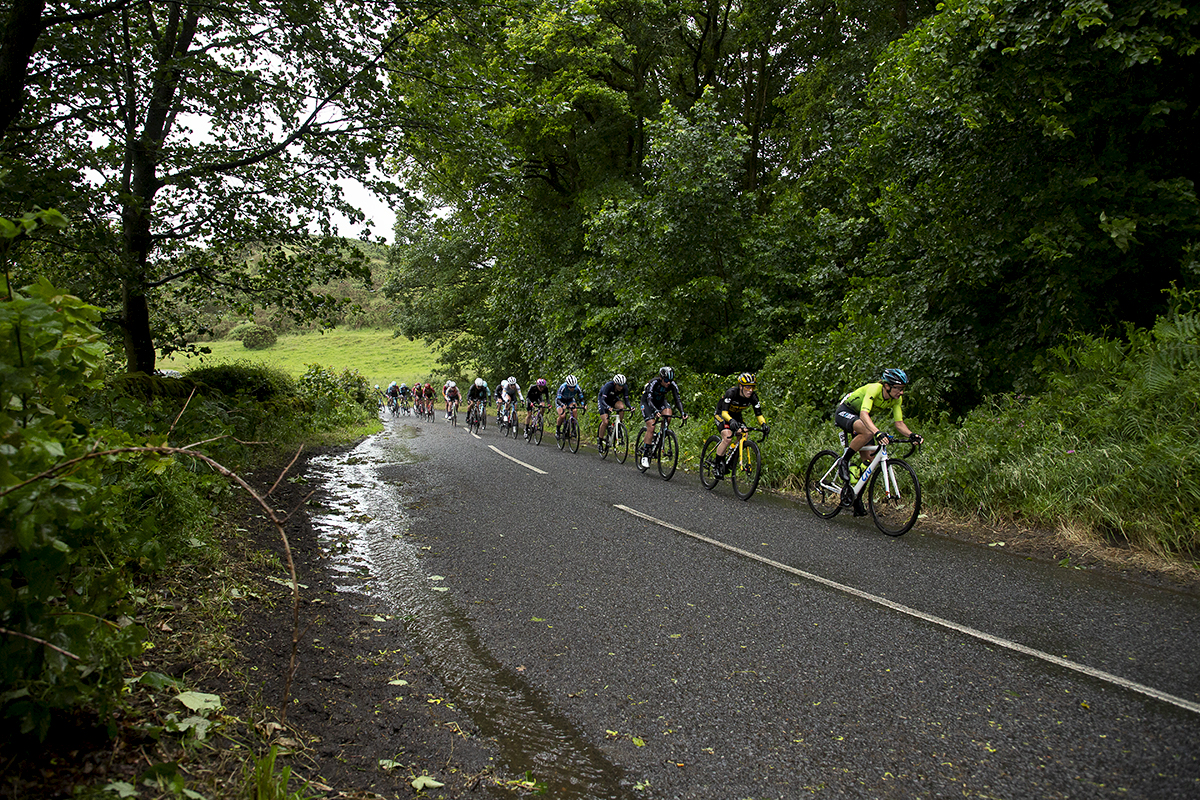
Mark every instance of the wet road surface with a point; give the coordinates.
(624, 636)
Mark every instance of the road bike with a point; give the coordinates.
(536, 425)
(664, 447)
(393, 405)
(473, 416)
(616, 438)
(405, 406)
(892, 489)
(742, 462)
(506, 417)
(453, 420)
(568, 434)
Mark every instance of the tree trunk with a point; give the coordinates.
(139, 343)
(18, 37)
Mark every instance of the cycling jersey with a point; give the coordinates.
(512, 391)
(569, 394)
(538, 394)
(452, 394)
(866, 398)
(610, 394)
(477, 393)
(732, 404)
(393, 391)
(429, 390)
(654, 396)
(405, 391)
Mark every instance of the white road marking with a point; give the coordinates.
(1108, 677)
(519, 461)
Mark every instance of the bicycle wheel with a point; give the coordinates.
(539, 427)
(622, 441)
(483, 418)
(896, 502)
(747, 470)
(454, 415)
(708, 463)
(637, 455)
(572, 432)
(604, 443)
(821, 485)
(668, 455)
(560, 435)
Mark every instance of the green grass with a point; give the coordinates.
(373, 352)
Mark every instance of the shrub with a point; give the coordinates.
(336, 399)
(246, 379)
(62, 540)
(257, 337)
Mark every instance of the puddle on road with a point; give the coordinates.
(363, 528)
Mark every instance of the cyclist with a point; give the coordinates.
(729, 413)
(654, 403)
(393, 393)
(568, 393)
(405, 393)
(853, 415)
(477, 395)
(452, 395)
(539, 395)
(429, 395)
(511, 394)
(614, 395)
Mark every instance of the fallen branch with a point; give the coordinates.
(231, 475)
(55, 648)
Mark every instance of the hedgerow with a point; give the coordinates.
(81, 526)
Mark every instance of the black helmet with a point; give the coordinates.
(667, 374)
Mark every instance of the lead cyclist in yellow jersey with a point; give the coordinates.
(853, 415)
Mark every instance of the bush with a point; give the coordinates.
(246, 379)
(254, 337)
(336, 399)
(62, 541)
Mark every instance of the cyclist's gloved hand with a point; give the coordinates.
(881, 437)
(916, 438)
(766, 429)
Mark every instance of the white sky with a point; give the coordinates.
(377, 211)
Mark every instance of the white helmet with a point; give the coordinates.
(572, 381)
(619, 379)
(479, 382)
(451, 385)
(511, 379)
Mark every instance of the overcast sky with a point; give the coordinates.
(376, 211)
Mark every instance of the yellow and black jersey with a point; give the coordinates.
(733, 404)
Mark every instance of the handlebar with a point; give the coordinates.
(764, 432)
(913, 447)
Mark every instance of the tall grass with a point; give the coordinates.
(1107, 448)
(372, 351)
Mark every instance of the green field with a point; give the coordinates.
(372, 352)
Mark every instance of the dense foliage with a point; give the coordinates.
(955, 189)
(80, 531)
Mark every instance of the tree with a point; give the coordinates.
(216, 125)
(1031, 166)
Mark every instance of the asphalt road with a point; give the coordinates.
(706, 647)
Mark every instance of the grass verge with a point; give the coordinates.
(374, 352)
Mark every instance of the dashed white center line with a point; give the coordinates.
(517, 460)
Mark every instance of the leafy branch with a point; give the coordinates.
(275, 518)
